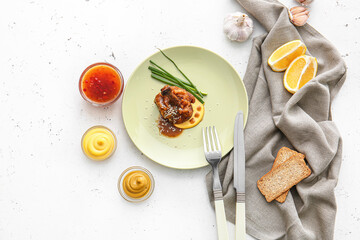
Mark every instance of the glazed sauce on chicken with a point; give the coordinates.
(167, 129)
(174, 104)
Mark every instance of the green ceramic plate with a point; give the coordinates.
(211, 74)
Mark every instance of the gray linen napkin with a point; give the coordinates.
(301, 121)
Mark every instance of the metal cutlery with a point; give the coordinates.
(212, 151)
(239, 176)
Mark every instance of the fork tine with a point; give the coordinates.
(217, 139)
(208, 138)
(204, 140)
(212, 138)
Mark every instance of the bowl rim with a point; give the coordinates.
(100, 104)
(106, 128)
(132, 169)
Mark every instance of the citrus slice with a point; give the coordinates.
(300, 71)
(197, 116)
(281, 58)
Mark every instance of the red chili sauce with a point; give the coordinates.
(167, 129)
(101, 84)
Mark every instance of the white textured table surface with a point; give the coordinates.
(49, 190)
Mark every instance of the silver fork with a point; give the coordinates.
(212, 151)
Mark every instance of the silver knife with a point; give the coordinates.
(239, 176)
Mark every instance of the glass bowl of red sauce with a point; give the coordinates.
(101, 84)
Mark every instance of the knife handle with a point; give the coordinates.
(221, 220)
(240, 226)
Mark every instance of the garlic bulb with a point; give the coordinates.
(304, 2)
(238, 26)
(298, 15)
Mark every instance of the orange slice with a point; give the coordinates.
(281, 58)
(300, 71)
(197, 116)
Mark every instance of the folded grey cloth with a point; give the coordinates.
(301, 122)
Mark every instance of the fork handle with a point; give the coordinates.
(220, 218)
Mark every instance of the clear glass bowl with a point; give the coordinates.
(103, 127)
(121, 179)
(101, 104)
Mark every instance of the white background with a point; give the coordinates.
(49, 190)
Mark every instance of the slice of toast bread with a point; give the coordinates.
(283, 177)
(283, 154)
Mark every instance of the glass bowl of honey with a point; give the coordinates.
(101, 84)
(136, 184)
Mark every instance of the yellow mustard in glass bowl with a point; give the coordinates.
(136, 184)
(98, 143)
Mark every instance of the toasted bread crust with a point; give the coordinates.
(281, 178)
(283, 154)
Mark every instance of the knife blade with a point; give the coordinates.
(239, 154)
(239, 176)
